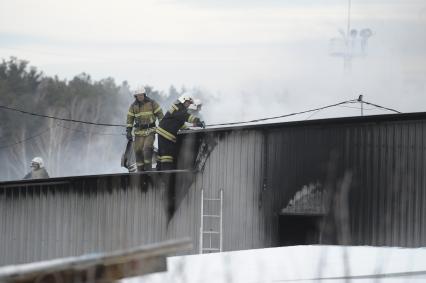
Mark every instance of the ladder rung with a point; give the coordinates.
(216, 203)
(211, 232)
(212, 199)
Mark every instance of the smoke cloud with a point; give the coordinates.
(245, 60)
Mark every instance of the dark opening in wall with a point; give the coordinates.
(299, 230)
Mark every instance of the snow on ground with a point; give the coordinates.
(296, 264)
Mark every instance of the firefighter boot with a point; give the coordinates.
(147, 156)
(167, 166)
(138, 147)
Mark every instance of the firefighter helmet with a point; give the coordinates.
(185, 97)
(139, 90)
(37, 161)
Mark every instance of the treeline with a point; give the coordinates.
(67, 148)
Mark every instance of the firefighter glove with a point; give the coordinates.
(201, 124)
(129, 134)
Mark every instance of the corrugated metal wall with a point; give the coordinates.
(259, 170)
(83, 215)
(387, 197)
(235, 166)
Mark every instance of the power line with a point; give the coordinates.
(60, 119)
(382, 107)
(27, 139)
(316, 110)
(310, 116)
(352, 107)
(306, 111)
(91, 133)
(283, 116)
(209, 125)
(41, 133)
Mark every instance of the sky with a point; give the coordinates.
(254, 58)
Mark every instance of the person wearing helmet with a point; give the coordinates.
(143, 113)
(167, 130)
(193, 109)
(37, 169)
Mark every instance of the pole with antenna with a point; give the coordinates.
(360, 99)
(349, 18)
(347, 64)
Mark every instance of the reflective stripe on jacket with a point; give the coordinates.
(142, 116)
(174, 119)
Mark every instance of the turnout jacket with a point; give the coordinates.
(142, 116)
(173, 121)
(40, 173)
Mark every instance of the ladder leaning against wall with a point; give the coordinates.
(211, 223)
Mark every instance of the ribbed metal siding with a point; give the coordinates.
(387, 196)
(297, 156)
(87, 215)
(389, 162)
(259, 171)
(235, 166)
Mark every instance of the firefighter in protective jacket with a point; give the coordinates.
(37, 169)
(167, 130)
(141, 117)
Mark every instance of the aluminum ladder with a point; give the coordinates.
(212, 245)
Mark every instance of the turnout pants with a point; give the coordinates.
(144, 146)
(166, 154)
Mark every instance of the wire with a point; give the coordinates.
(307, 111)
(283, 116)
(91, 133)
(209, 125)
(359, 108)
(310, 116)
(41, 133)
(382, 107)
(25, 140)
(61, 119)
(316, 110)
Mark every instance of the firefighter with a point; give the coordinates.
(167, 130)
(141, 117)
(37, 169)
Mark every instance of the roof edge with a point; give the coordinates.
(340, 120)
